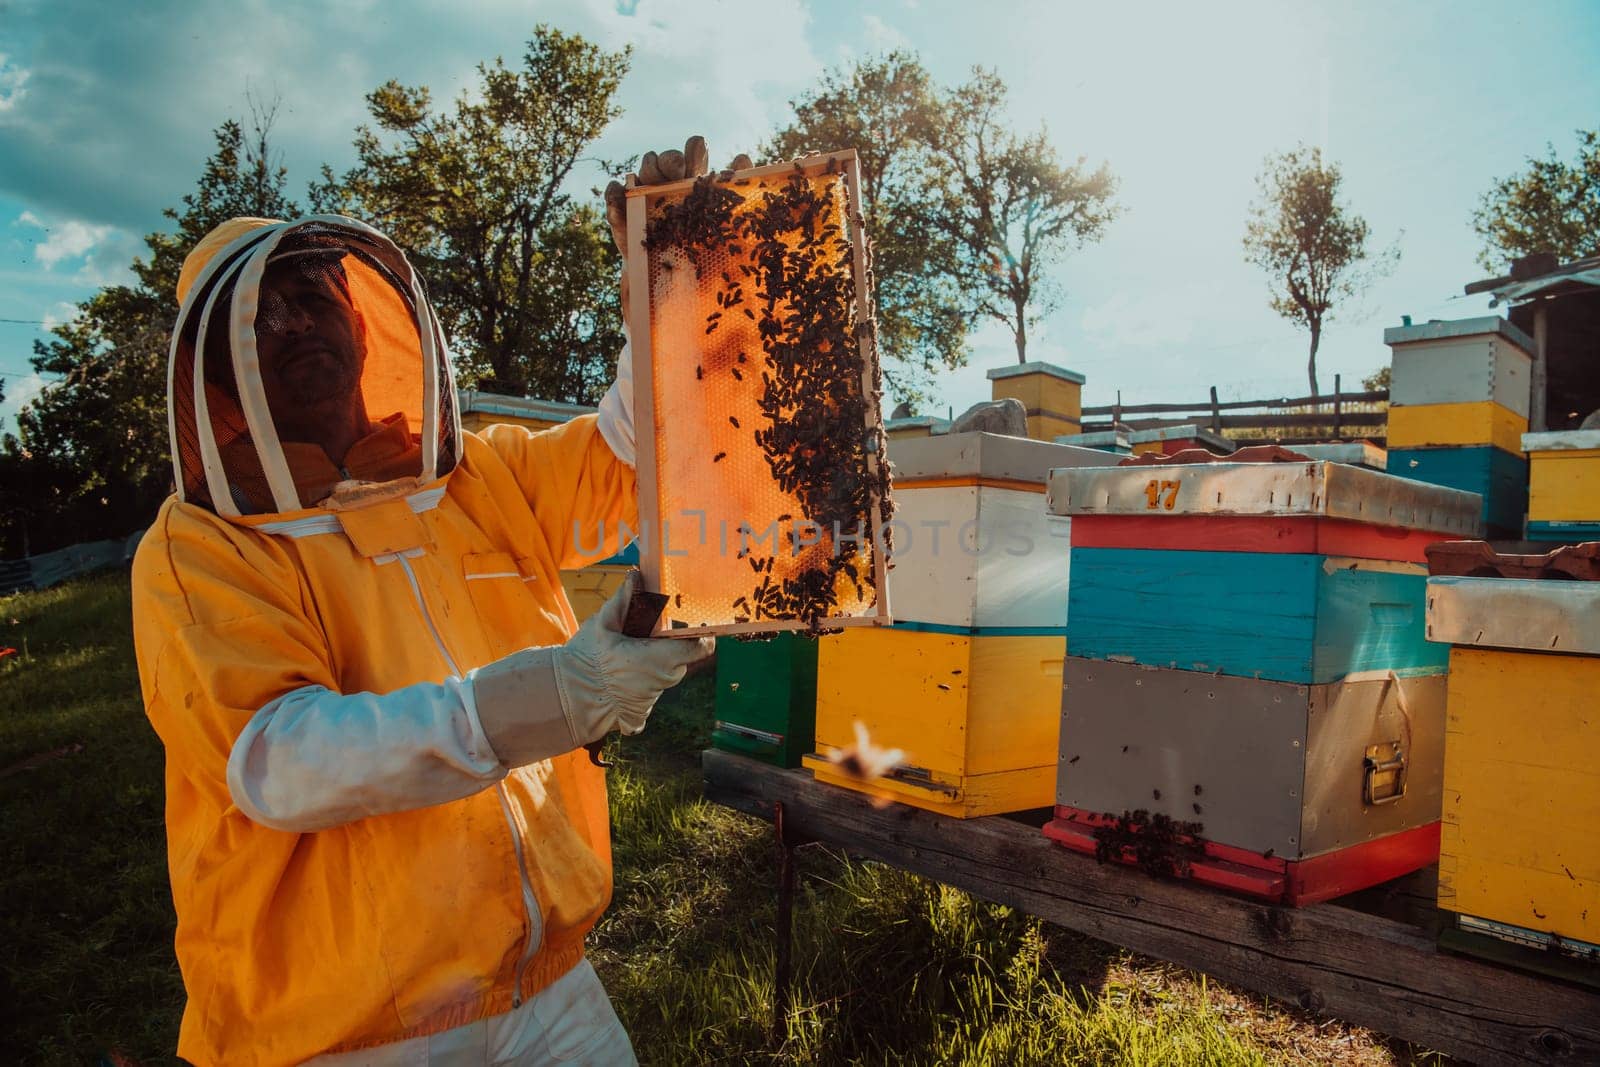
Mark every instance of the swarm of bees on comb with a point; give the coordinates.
(784, 351)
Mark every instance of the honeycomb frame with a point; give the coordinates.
(665, 441)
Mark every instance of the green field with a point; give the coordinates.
(889, 968)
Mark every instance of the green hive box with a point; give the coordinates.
(767, 698)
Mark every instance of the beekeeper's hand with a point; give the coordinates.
(657, 169)
(541, 702)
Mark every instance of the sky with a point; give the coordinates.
(107, 113)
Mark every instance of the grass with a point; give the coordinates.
(888, 967)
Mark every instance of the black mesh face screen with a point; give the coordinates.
(336, 318)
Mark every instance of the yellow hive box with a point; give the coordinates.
(1432, 425)
(1520, 840)
(1563, 476)
(1051, 396)
(590, 587)
(977, 716)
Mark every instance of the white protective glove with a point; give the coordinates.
(541, 702)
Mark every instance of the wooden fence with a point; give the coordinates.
(1337, 414)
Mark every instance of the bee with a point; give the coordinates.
(737, 376)
(734, 421)
(864, 760)
(718, 457)
(699, 372)
(678, 600)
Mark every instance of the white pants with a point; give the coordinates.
(571, 1022)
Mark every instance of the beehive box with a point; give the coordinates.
(975, 550)
(1563, 485)
(1353, 453)
(1458, 407)
(1250, 699)
(1295, 790)
(766, 702)
(1499, 477)
(1461, 361)
(762, 492)
(1170, 440)
(967, 681)
(588, 588)
(1520, 849)
(1297, 572)
(974, 715)
(1118, 441)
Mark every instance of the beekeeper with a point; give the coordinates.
(385, 842)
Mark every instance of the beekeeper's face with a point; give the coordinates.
(310, 341)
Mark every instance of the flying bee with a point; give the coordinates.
(865, 761)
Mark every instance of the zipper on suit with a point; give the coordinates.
(530, 902)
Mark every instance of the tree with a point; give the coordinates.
(885, 108)
(91, 450)
(1009, 207)
(522, 276)
(1313, 248)
(1552, 207)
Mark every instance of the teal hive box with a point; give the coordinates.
(766, 701)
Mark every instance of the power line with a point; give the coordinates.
(26, 322)
(30, 372)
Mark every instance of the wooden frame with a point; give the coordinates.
(637, 313)
(1371, 959)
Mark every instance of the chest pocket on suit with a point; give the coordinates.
(509, 602)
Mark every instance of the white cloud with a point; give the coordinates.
(714, 68)
(18, 392)
(59, 313)
(881, 36)
(13, 83)
(69, 240)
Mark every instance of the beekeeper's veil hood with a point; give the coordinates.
(231, 451)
